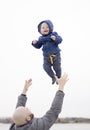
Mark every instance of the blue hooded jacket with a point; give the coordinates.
(48, 45)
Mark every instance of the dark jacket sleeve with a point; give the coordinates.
(52, 114)
(21, 100)
(39, 43)
(58, 38)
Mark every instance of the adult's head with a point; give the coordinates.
(22, 115)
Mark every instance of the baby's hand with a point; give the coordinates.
(53, 38)
(34, 41)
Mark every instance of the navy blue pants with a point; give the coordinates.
(53, 69)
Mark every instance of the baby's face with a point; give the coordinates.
(44, 29)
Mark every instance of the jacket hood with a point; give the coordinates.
(50, 24)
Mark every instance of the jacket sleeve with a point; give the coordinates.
(58, 38)
(52, 114)
(39, 43)
(21, 100)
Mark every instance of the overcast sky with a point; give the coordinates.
(20, 61)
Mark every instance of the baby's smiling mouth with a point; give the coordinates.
(46, 31)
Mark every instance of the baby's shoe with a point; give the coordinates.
(53, 80)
